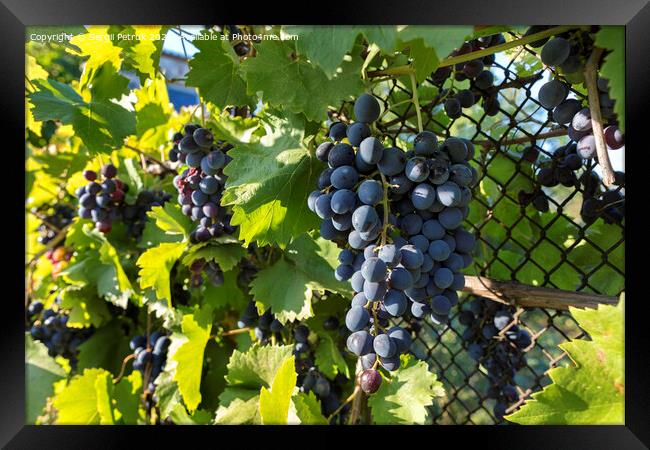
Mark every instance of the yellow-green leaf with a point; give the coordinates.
(274, 404)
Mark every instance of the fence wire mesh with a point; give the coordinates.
(504, 228)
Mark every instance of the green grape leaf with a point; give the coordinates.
(308, 409)
(325, 45)
(41, 372)
(106, 348)
(144, 54)
(167, 392)
(189, 356)
(613, 38)
(425, 59)
(105, 83)
(214, 382)
(101, 124)
(86, 400)
(239, 412)
(85, 307)
(269, 182)
(170, 219)
(215, 72)
(443, 39)
(226, 255)
(329, 359)
(274, 403)
(384, 36)
(180, 416)
(228, 294)
(403, 398)
(287, 286)
(593, 392)
(291, 81)
(152, 113)
(127, 398)
(98, 46)
(283, 287)
(256, 367)
(155, 268)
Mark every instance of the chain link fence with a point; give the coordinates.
(556, 249)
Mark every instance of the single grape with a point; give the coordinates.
(370, 381)
(357, 132)
(555, 51)
(370, 192)
(392, 161)
(553, 93)
(366, 108)
(384, 346)
(337, 131)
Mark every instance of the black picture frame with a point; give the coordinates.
(15, 15)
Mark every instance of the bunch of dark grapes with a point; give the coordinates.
(264, 326)
(398, 215)
(150, 356)
(210, 269)
(477, 71)
(54, 219)
(562, 168)
(310, 378)
(596, 203)
(499, 345)
(135, 216)
(568, 53)
(50, 326)
(101, 201)
(200, 185)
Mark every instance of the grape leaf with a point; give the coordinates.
(106, 348)
(384, 36)
(152, 113)
(403, 398)
(103, 83)
(613, 38)
(239, 412)
(85, 308)
(274, 404)
(269, 182)
(256, 367)
(100, 124)
(226, 255)
(86, 400)
(215, 72)
(325, 45)
(127, 398)
(288, 80)
(329, 359)
(228, 294)
(180, 416)
(308, 409)
(443, 39)
(41, 372)
(171, 219)
(593, 392)
(155, 267)
(189, 356)
(144, 55)
(425, 59)
(287, 286)
(248, 372)
(97, 45)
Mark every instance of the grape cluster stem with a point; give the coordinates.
(591, 74)
(451, 61)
